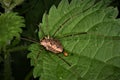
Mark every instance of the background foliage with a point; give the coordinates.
(16, 65)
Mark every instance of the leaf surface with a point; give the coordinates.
(89, 33)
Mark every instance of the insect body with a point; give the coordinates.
(52, 45)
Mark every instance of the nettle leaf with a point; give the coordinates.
(10, 26)
(89, 33)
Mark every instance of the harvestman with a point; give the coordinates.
(52, 44)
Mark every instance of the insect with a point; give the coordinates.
(52, 45)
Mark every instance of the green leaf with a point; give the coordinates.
(89, 32)
(10, 26)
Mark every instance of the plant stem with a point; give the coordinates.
(7, 60)
(7, 65)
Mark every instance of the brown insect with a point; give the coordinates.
(52, 45)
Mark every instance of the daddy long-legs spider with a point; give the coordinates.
(50, 36)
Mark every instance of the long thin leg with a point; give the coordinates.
(64, 60)
(99, 36)
(72, 35)
(30, 40)
(69, 19)
(60, 26)
(38, 54)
